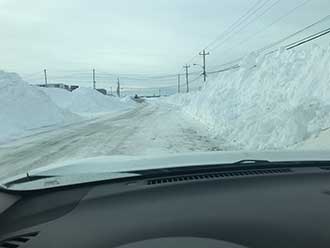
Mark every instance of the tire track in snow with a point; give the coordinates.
(149, 129)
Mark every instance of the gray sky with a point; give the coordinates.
(136, 37)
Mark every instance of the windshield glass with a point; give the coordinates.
(168, 82)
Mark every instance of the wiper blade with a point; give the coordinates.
(41, 182)
(251, 161)
(241, 165)
(27, 178)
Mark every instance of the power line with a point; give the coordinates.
(245, 40)
(276, 43)
(247, 24)
(238, 22)
(233, 26)
(233, 64)
(308, 39)
(294, 34)
(229, 32)
(287, 47)
(226, 69)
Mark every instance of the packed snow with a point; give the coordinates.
(272, 101)
(128, 99)
(24, 108)
(148, 130)
(88, 102)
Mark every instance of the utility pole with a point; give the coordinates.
(179, 79)
(111, 90)
(46, 81)
(118, 87)
(204, 54)
(94, 82)
(187, 76)
(159, 93)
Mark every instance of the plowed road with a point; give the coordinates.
(150, 129)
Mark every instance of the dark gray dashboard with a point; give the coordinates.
(284, 209)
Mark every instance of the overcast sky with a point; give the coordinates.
(136, 36)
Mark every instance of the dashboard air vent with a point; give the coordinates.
(16, 241)
(217, 175)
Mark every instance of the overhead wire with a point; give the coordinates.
(241, 23)
(273, 45)
(286, 14)
(253, 10)
(294, 34)
(233, 26)
(246, 25)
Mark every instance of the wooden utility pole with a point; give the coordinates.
(187, 76)
(46, 80)
(94, 82)
(179, 79)
(204, 54)
(118, 87)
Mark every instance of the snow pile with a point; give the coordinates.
(86, 101)
(271, 102)
(24, 107)
(128, 99)
(60, 97)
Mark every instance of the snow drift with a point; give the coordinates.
(271, 102)
(24, 107)
(86, 101)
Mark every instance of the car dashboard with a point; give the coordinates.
(273, 207)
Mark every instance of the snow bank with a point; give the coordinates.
(87, 102)
(24, 107)
(271, 102)
(128, 99)
(60, 97)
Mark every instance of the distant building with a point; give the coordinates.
(74, 87)
(60, 86)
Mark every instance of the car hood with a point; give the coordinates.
(133, 163)
(112, 167)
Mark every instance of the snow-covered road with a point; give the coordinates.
(147, 130)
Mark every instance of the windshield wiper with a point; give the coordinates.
(40, 182)
(25, 179)
(251, 161)
(241, 165)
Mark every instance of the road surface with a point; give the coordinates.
(150, 129)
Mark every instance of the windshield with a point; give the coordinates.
(168, 82)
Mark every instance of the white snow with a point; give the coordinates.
(317, 142)
(127, 99)
(24, 108)
(87, 102)
(148, 130)
(282, 101)
(279, 101)
(60, 97)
